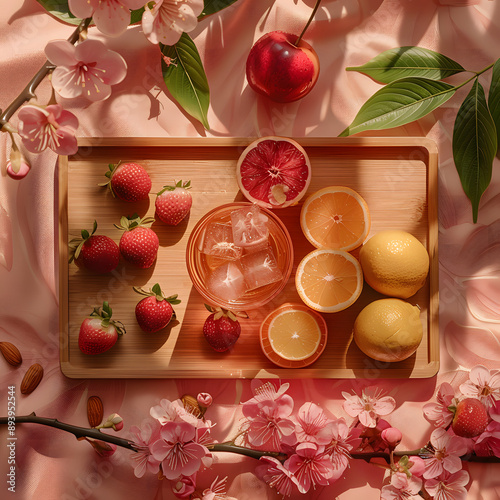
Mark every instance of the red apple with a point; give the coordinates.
(279, 69)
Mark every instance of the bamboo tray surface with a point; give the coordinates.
(396, 176)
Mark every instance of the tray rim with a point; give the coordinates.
(426, 371)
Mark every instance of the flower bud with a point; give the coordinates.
(416, 466)
(184, 487)
(114, 420)
(19, 169)
(391, 436)
(204, 399)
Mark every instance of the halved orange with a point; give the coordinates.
(293, 336)
(335, 217)
(329, 280)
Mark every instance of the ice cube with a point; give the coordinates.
(260, 268)
(250, 229)
(227, 282)
(218, 242)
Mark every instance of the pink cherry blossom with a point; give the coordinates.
(172, 411)
(267, 415)
(483, 384)
(368, 407)
(144, 436)
(266, 428)
(216, 490)
(402, 488)
(267, 392)
(168, 19)
(488, 443)
(312, 424)
(184, 486)
(276, 475)
(111, 17)
(87, 70)
(310, 465)
(341, 442)
(446, 454)
(177, 450)
(448, 486)
(439, 412)
(50, 127)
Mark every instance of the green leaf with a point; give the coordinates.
(494, 98)
(186, 79)
(136, 15)
(403, 62)
(474, 145)
(399, 103)
(213, 6)
(59, 9)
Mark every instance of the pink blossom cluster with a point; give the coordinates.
(316, 445)
(173, 443)
(483, 385)
(440, 472)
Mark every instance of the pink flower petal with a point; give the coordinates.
(82, 8)
(61, 53)
(479, 375)
(384, 406)
(68, 145)
(65, 83)
(111, 18)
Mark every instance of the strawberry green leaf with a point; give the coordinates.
(403, 62)
(60, 10)
(85, 234)
(185, 77)
(474, 145)
(399, 103)
(494, 99)
(213, 6)
(157, 290)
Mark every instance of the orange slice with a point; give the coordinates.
(335, 217)
(329, 280)
(293, 336)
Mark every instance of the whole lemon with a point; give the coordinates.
(394, 263)
(388, 329)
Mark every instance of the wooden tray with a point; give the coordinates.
(396, 176)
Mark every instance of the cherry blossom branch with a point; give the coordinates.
(78, 432)
(29, 91)
(229, 446)
(248, 452)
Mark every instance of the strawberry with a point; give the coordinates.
(99, 332)
(222, 328)
(139, 243)
(128, 181)
(155, 311)
(173, 203)
(471, 418)
(97, 253)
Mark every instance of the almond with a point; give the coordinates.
(191, 405)
(11, 353)
(95, 411)
(31, 379)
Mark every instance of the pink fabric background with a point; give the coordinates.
(52, 465)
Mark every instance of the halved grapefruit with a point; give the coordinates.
(274, 172)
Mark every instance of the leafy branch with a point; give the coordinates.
(414, 88)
